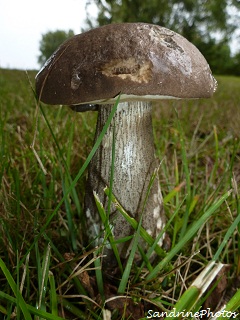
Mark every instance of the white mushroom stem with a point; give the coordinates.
(134, 165)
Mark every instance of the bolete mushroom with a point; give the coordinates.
(143, 63)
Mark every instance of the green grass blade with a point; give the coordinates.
(71, 229)
(53, 294)
(135, 241)
(168, 224)
(187, 177)
(73, 184)
(184, 305)
(134, 244)
(17, 293)
(109, 236)
(173, 193)
(44, 278)
(3, 151)
(63, 161)
(77, 284)
(189, 298)
(127, 270)
(98, 272)
(153, 246)
(73, 309)
(30, 309)
(188, 235)
(134, 224)
(228, 234)
(105, 217)
(112, 174)
(233, 306)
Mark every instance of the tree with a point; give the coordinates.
(218, 55)
(50, 42)
(188, 17)
(235, 68)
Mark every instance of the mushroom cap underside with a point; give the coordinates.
(140, 61)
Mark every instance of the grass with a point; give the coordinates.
(47, 272)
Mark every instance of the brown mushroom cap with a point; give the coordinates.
(140, 61)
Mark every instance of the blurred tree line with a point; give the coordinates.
(209, 24)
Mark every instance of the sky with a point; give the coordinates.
(22, 23)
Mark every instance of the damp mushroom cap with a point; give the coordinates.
(141, 61)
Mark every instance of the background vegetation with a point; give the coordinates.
(42, 248)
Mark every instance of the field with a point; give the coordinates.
(46, 269)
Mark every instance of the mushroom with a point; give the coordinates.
(143, 63)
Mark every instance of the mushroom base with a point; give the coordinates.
(134, 165)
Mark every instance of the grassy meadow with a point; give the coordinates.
(46, 269)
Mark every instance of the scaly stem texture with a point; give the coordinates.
(134, 165)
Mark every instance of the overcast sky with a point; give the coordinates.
(22, 23)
